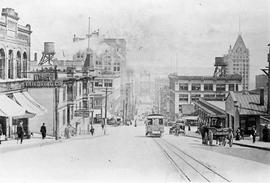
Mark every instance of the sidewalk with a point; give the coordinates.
(247, 142)
(36, 141)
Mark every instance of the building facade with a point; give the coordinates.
(237, 61)
(16, 105)
(188, 89)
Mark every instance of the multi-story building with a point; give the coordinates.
(237, 61)
(15, 104)
(160, 83)
(187, 89)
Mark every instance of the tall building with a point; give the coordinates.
(160, 85)
(237, 61)
(188, 89)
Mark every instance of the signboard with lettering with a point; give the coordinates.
(44, 78)
(82, 113)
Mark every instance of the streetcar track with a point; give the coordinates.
(201, 163)
(177, 151)
(179, 170)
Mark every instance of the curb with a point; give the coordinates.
(251, 146)
(239, 144)
(33, 145)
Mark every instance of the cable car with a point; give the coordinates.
(154, 125)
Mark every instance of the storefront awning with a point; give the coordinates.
(28, 96)
(27, 104)
(10, 108)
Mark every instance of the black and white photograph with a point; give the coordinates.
(134, 91)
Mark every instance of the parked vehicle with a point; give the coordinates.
(154, 125)
(177, 128)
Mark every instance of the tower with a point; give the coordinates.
(237, 61)
(48, 54)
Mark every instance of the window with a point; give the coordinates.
(10, 64)
(209, 96)
(18, 64)
(183, 86)
(195, 86)
(24, 65)
(220, 87)
(236, 87)
(2, 63)
(183, 97)
(98, 83)
(108, 83)
(231, 87)
(195, 97)
(80, 89)
(208, 87)
(64, 116)
(64, 93)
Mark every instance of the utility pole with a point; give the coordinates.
(88, 35)
(105, 122)
(56, 105)
(268, 84)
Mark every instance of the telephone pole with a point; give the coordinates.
(268, 83)
(106, 100)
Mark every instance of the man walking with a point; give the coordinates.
(43, 131)
(20, 132)
(253, 133)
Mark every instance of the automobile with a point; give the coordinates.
(177, 128)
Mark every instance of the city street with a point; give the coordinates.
(126, 155)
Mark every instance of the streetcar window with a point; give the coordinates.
(160, 121)
(150, 122)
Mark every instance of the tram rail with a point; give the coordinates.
(188, 167)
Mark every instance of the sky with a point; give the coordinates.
(163, 36)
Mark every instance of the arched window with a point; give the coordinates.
(10, 64)
(2, 63)
(18, 65)
(24, 65)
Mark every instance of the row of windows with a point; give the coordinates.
(207, 87)
(20, 67)
(194, 97)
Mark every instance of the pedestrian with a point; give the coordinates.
(67, 132)
(43, 131)
(189, 127)
(1, 133)
(238, 132)
(92, 130)
(20, 132)
(102, 125)
(253, 133)
(265, 133)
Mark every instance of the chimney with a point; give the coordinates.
(261, 96)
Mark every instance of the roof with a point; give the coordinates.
(226, 78)
(249, 104)
(219, 104)
(239, 42)
(214, 108)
